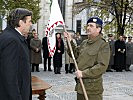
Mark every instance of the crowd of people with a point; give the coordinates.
(20, 53)
(36, 47)
(121, 56)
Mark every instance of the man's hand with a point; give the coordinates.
(37, 49)
(79, 74)
(68, 35)
(119, 50)
(59, 51)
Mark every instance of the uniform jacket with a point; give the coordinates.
(15, 77)
(129, 53)
(36, 57)
(93, 59)
(112, 52)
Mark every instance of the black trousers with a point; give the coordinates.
(70, 68)
(33, 67)
(49, 63)
(57, 70)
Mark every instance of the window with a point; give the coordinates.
(78, 28)
(62, 7)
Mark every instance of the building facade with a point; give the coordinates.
(72, 22)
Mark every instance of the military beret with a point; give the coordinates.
(95, 20)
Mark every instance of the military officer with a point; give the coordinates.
(112, 52)
(129, 53)
(92, 57)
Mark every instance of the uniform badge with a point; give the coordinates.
(94, 20)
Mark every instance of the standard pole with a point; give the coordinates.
(76, 66)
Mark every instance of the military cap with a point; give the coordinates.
(95, 20)
(130, 36)
(110, 35)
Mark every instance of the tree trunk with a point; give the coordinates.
(120, 30)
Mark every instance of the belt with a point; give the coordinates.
(88, 79)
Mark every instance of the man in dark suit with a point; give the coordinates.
(15, 76)
(46, 54)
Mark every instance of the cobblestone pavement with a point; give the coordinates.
(117, 85)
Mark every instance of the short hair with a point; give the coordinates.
(58, 33)
(99, 26)
(16, 15)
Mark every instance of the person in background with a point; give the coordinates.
(46, 54)
(29, 37)
(124, 38)
(15, 74)
(120, 49)
(112, 52)
(92, 57)
(78, 38)
(69, 63)
(57, 58)
(129, 53)
(36, 58)
(67, 57)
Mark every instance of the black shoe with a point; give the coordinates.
(37, 71)
(44, 70)
(50, 70)
(127, 70)
(109, 71)
(66, 72)
(70, 72)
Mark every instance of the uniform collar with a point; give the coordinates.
(90, 41)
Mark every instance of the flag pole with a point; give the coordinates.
(76, 66)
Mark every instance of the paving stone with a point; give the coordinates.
(117, 85)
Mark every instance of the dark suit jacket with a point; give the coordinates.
(15, 77)
(45, 48)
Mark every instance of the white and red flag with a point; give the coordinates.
(55, 20)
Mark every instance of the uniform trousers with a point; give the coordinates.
(90, 97)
